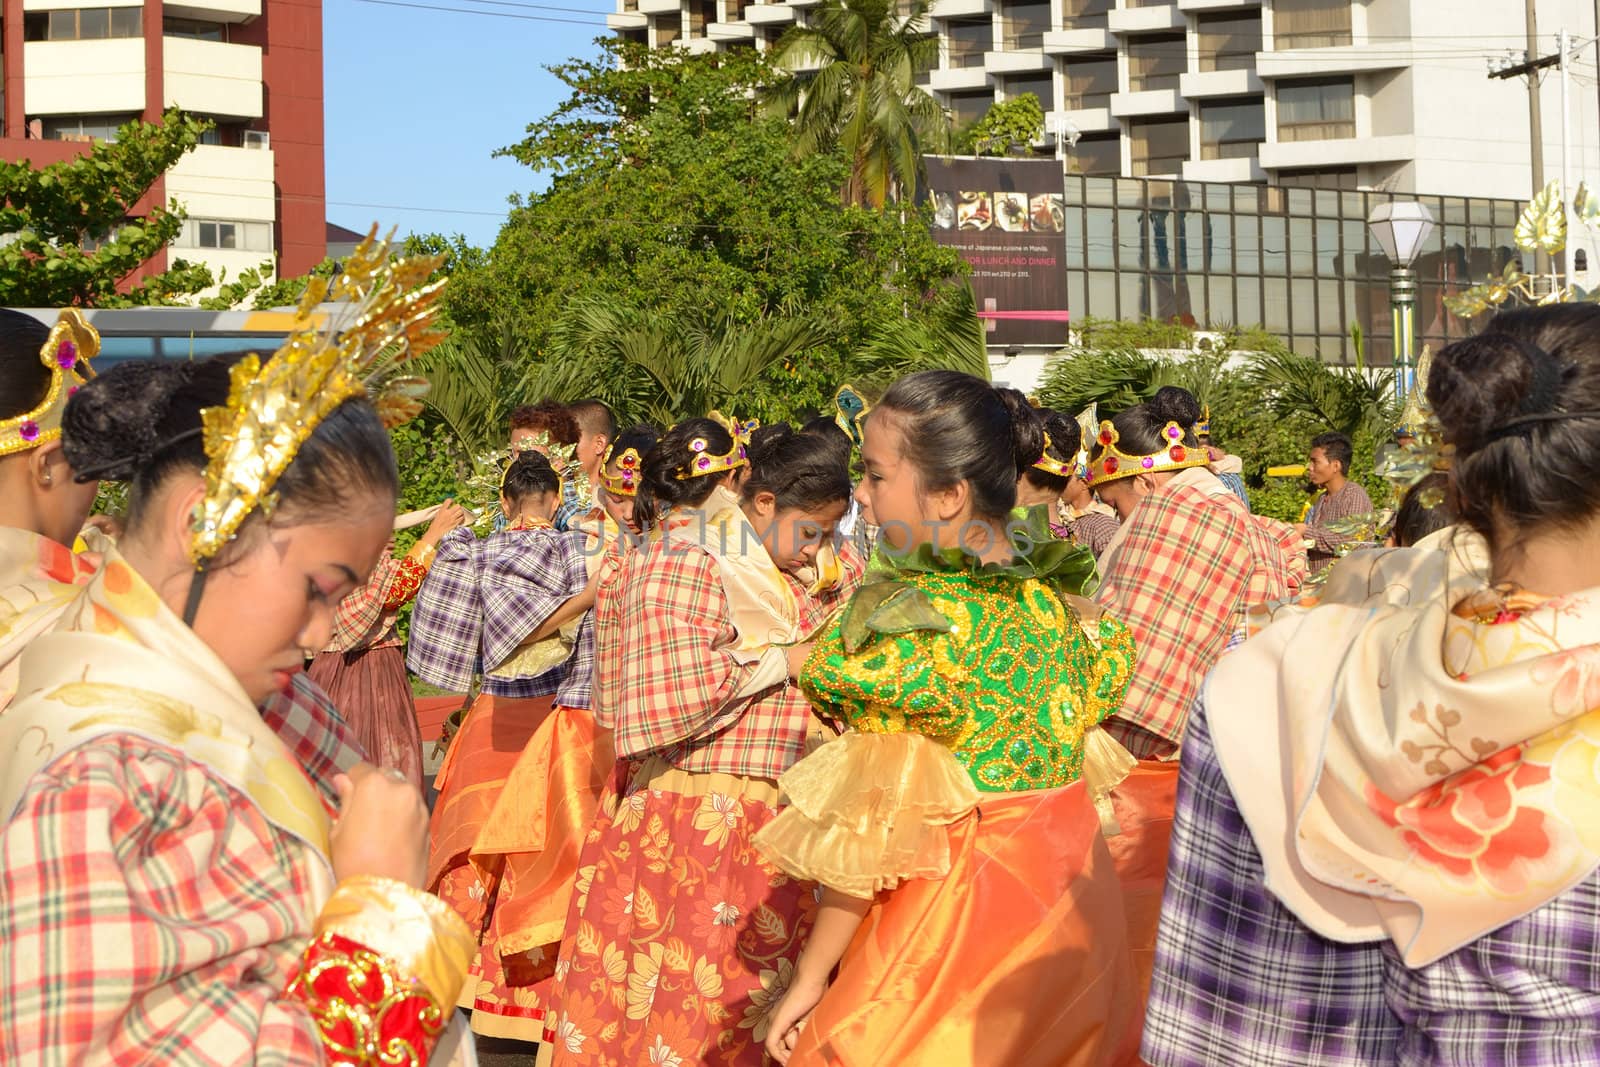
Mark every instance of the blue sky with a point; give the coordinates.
(416, 100)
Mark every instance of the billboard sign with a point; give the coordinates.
(1005, 218)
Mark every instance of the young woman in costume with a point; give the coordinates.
(363, 669)
(1186, 563)
(506, 841)
(45, 505)
(680, 938)
(179, 885)
(1384, 850)
(1048, 477)
(527, 610)
(968, 892)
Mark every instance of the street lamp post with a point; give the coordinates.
(1401, 227)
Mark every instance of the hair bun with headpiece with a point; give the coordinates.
(116, 423)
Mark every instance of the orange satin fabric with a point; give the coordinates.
(1018, 958)
(536, 830)
(475, 773)
(1143, 804)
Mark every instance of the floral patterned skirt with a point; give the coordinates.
(681, 939)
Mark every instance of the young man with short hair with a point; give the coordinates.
(1328, 468)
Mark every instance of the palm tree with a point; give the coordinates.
(1347, 399)
(649, 365)
(862, 94)
(946, 336)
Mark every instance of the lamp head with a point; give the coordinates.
(1401, 228)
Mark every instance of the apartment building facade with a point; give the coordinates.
(72, 71)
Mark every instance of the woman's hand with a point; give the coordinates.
(791, 1015)
(447, 518)
(382, 828)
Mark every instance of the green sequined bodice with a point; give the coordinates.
(1011, 687)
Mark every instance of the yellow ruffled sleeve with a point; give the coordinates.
(869, 811)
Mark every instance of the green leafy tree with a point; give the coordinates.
(74, 231)
(862, 97)
(673, 193)
(1009, 127)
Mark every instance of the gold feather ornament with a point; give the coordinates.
(273, 407)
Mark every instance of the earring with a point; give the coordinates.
(46, 478)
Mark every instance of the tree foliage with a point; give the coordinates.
(75, 230)
(851, 77)
(676, 204)
(1009, 127)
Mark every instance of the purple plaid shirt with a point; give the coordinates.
(1239, 980)
(447, 617)
(524, 575)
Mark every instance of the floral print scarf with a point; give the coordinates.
(1417, 755)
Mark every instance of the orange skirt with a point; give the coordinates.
(1019, 957)
(506, 848)
(1144, 803)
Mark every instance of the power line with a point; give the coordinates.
(487, 14)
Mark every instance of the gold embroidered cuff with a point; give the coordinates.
(417, 931)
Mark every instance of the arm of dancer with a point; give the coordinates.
(139, 923)
(838, 918)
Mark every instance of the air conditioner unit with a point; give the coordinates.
(257, 139)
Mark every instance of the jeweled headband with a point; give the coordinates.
(66, 352)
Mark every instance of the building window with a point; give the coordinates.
(194, 28)
(1026, 24)
(1090, 81)
(735, 9)
(701, 12)
(1229, 41)
(83, 24)
(1159, 146)
(1043, 86)
(84, 127)
(967, 108)
(1084, 14)
(1325, 178)
(1232, 129)
(1310, 23)
(668, 27)
(1096, 154)
(1156, 62)
(1319, 110)
(226, 234)
(966, 42)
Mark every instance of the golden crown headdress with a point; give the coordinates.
(66, 352)
(273, 407)
(625, 483)
(1203, 427)
(1088, 426)
(1051, 465)
(706, 461)
(1112, 463)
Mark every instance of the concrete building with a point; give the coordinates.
(74, 70)
(1246, 120)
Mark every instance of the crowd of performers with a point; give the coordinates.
(950, 731)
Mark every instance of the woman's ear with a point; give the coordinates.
(765, 504)
(178, 522)
(505, 505)
(949, 504)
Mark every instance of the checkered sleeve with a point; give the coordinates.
(1238, 979)
(306, 721)
(1350, 502)
(678, 680)
(1180, 582)
(149, 916)
(447, 619)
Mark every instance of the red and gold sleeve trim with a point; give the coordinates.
(382, 973)
(409, 571)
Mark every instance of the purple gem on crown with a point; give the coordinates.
(29, 430)
(66, 355)
(704, 462)
(1149, 461)
(697, 445)
(1174, 433)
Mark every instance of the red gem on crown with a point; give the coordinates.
(1178, 453)
(1111, 465)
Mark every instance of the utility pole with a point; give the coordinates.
(1531, 67)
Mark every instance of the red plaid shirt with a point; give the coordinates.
(1189, 566)
(665, 677)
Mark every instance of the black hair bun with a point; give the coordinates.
(1174, 404)
(766, 437)
(1027, 433)
(114, 423)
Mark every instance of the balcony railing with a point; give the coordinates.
(1149, 83)
(1023, 40)
(1229, 149)
(962, 56)
(1316, 131)
(1086, 101)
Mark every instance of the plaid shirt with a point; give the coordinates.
(1094, 530)
(524, 576)
(1189, 566)
(665, 677)
(447, 620)
(366, 617)
(315, 733)
(1347, 503)
(1239, 980)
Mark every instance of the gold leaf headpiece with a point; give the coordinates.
(274, 407)
(66, 352)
